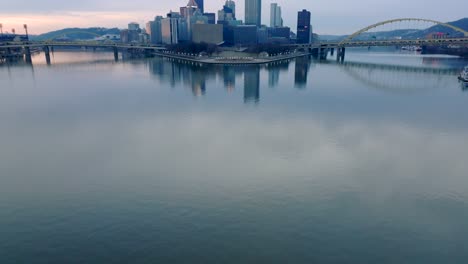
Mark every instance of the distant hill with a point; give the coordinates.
(406, 33)
(77, 33)
(462, 23)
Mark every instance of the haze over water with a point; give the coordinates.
(159, 161)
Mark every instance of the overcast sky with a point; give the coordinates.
(328, 16)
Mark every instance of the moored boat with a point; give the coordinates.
(464, 75)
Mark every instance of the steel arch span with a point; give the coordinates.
(351, 37)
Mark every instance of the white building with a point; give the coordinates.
(276, 19)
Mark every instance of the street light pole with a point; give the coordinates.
(26, 29)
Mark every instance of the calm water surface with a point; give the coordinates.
(158, 161)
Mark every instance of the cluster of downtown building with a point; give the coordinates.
(193, 24)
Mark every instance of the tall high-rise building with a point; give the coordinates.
(225, 15)
(275, 16)
(170, 28)
(134, 31)
(189, 9)
(124, 36)
(211, 17)
(188, 13)
(304, 28)
(153, 28)
(200, 5)
(232, 5)
(253, 12)
(133, 26)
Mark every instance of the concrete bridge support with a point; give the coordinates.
(47, 54)
(340, 54)
(332, 51)
(323, 53)
(116, 54)
(27, 55)
(314, 52)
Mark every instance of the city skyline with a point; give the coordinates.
(328, 17)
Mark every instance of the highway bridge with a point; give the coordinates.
(7, 49)
(87, 44)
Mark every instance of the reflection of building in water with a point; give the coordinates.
(252, 84)
(274, 70)
(166, 71)
(229, 76)
(273, 77)
(177, 72)
(301, 71)
(198, 83)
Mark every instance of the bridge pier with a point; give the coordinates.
(332, 51)
(8, 53)
(47, 54)
(116, 54)
(315, 52)
(322, 53)
(340, 54)
(27, 54)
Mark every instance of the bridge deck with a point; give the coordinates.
(32, 44)
(370, 43)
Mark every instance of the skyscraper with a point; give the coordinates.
(134, 32)
(227, 16)
(200, 5)
(153, 28)
(232, 5)
(275, 16)
(253, 12)
(170, 28)
(189, 9)
(304, 28)
(211, 17)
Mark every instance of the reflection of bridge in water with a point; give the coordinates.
(398, 78)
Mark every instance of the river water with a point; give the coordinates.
(160, 161)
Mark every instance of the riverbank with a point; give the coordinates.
(232, 60)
